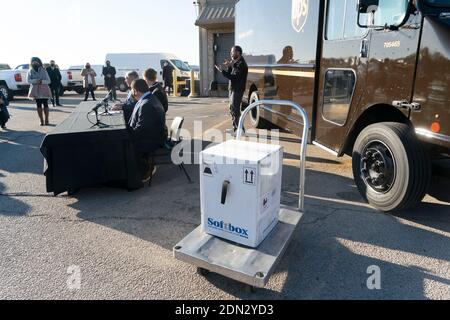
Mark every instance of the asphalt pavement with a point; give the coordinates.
(108, 243)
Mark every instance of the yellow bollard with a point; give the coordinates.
(193, 93)
(175, 83)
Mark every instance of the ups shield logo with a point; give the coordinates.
(299, 14)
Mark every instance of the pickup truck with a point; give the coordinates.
(70, 79)
(99, 79)
(13, 82)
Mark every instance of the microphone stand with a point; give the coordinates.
(98, 123)
(106, 105)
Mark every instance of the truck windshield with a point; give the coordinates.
(180, 65)
(439, 3)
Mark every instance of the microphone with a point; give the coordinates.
(108, 96)
(98, 106)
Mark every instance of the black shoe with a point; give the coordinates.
(85, 100)
(59, 105)
(94, 99)
(3, 127)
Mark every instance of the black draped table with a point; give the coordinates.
(78, 155)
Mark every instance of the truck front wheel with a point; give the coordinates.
(391, 168)
(6, 92)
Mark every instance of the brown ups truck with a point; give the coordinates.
(373, 76)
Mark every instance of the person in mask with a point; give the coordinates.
(55, 84)
(89, 84)
(4, 114)
(109, 73)
(39, 82)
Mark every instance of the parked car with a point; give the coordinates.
(65, 77)
(74, 79)
(139, 62)
(13, 82)
(4, 66)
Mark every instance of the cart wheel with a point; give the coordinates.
(250, 289)
(202, 272)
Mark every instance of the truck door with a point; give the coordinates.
(393, 54)
(343, 71)
(360, 69)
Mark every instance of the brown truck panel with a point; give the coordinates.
(432, 84)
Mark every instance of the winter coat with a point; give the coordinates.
(4, 114)
(55, 77)
(110, 76)
(86, 73)
(39, 81)
(237, 74)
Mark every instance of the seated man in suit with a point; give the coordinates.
(128, 105)
(147, 124)
(151, 77)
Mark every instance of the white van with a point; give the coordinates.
(142, 61)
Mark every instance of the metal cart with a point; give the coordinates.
(248, 265)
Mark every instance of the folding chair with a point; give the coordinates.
(163, 155)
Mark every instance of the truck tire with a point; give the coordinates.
(79, 90)
(121, 84)
(257, 120)
(6, 92)
(390, 166)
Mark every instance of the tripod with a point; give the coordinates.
(98, 123)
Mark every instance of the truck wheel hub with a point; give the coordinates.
(378, 167)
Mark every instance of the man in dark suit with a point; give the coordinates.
(55, 84)
(236, 71)
(146, 125)
(168, 76)
(109, 73)
(151, 77)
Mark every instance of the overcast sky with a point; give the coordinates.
(74, 32)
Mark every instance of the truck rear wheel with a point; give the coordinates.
(122, 85)
(79, 90)
(257, 120)
(391, 168)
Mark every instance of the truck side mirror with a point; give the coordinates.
(368, 6)
(396, 14)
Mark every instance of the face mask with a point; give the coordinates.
(35, 67)
(53, 65)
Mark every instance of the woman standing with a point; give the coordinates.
(89, 85)
(4, 114)
(39, 82)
